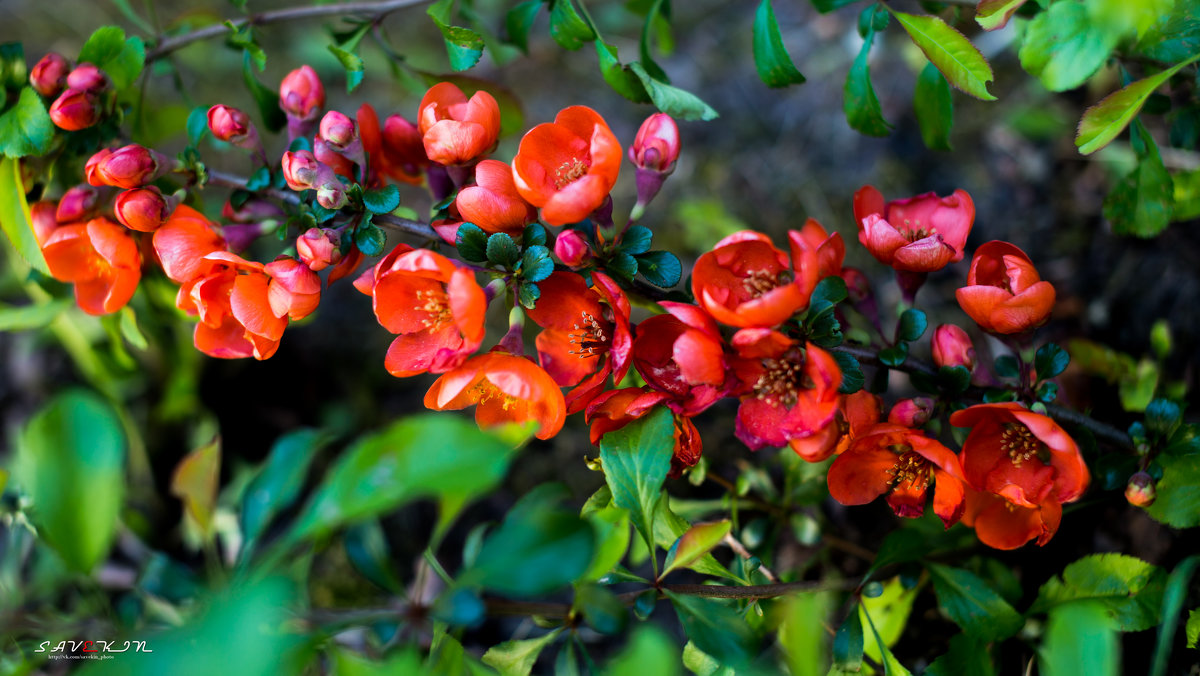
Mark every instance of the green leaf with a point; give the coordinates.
(775, 67)
(669, 526)
(353, 64)
(567, 28)
(195, 482)
(536, 263)
(956, 379)
(126, 66)
(660, 268)
(1006, 366)
(953, 54)
(934, 108)
(1140, 204)
(518, 21)
(853, 379)
(649, 651)
(25, 128)
(993, 14)
(621, 78)
(913, 323)
(716, 628)
(1175, 37)
(672, 100)
(827, 6)
(1102, 122)
(1136, 388)
(197, 125)
(1062, 47)
(802, 632)
(382, 200)
(859, 102)
(387, 469)
(472, 242)
(1050, 361)
(636, 459)
(848, 643)
(830, 290)
(105, 43)
(1178, 502)
(265, 98)
(534, 234)
(34, 316)
(653, 18)
(973, 604)
(966, 656)
(464, 46)
(601, 609)
(1193, 628)
(622, 265)
(14, 72)
(370, 239)
(1173, 598)
(70, 460)
(611, 525)
(367, 548)
(528, 294)
(1129, 589)
(502, 250)
(699, 540)
(636, 240)
(279, 480)
(516, 658)
(1079, 639)
(894, 356)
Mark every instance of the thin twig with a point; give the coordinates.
(740, 549)
(374, 9)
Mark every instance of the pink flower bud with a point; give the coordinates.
(294, 290)
(43, 220)
(132, 166)
(337, 130)
(88, 78)
(911, 412)
(953, 347)
(1140, 491)
(89, 169)
(49, 75)
(303, 171)
(657, 144)
(301, 94)
(332, 195)
(232, 126)
(77, 204)
(319, 248)
(143, 209)
(572, 248)
(252, 210)
(75, 109)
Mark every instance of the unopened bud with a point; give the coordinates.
(89, 169)
(49, 75)
(75, 109)
(88, 78)
(656, 146)
(132, 166)
(911, 412)
(319, 248)
(303, 171)
(332, 195)
(301, 94)
(1140, 491)
(953, 347)
(143, 209)
(77, 204)
(295, 290)
(338, 130)
(572, 248)
(232, 126)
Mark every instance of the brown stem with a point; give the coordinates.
(376, 9)
(239, 183)
(406, 226)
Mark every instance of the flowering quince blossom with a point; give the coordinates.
(100, 258)
(586, 334)
(503, 388)
(1004, 293)
(232, 298)
(1025, 460)
(745, 281)
(493, 203)
(183, 242)
(917, 234)
(435, 306)
(456, 130)
(830, 249)
(568, 167)
(901, 462)
(855, 413)
(395, 150)
(788, 390)
(681, 353)
(615, 409)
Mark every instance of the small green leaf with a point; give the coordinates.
(775, 67)
(125, 68)
(620, 77)
(104, 44)
(382, 200)
(894, 356)
(1006, 366)
(672, 100)
(15, 217)
(649, 651)
(1079, 639)
(1178, 501)
(536, 263)
(1062, 48)
(1193, 628)
(611, 525)
(716, 628)
(464, 47)
(853, 379)
(622, 265)
(518, 21)
(1163, 417)
(1102, 122)
(534, 234)
(993, 14)
(197, 125)
(1140, 204)
(912, 325)
(516, 658)
(636, 240)
(472, 242)
(370, 239)
(934, 108)
(696, 542)
(195, 483)
(279, 480)
(832, 289)
(669, 526)
(848, 643)
(1129, 589)
(636, 459)
(1050, 361)
(502, 250)
(966, 656)
(660, 268)
(367, 548)
(953, 54)
(567, 28)
(973, 604)
(26, 129)
(956, 379)
(528, 294)
(862, 109)
(353, 64)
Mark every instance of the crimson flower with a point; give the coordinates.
(681, 354)
(917, 234)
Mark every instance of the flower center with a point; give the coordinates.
(437, 307)
(587, 336)
(913, 230)
(1019, 442)
(781, 381)
(910, 466)
(484, 391)
(569, 172)
(759, 282)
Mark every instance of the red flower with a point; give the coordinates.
(232, 126)
(132, 166)
(745, 281)
(295, 290)
(319, 248)
(143, 209)
(788, 391)
(435, 306)
(918, 234)
(49, 75)
(75, 109)
(456, 130)
(232, 298)
(503, 388)
(856, 413)
(301, 94)
(900, 462)
(615, 409)
(681, 353)
(43, 218)
(586, 333)
(1004, 293)
(830, 249)
(100, 258)
(1002, 525)
(183, 242)
(87, 77)
(568, 167)
(77, 204)
(493, 203)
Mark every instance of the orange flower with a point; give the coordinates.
(856, 413)
(295, 290)
(456, 130)
(587, 334)
(787, 390)
(681, 353)
(1004, 293)
(503, 388)
(615, 409)
(1002, 525)
(232, 298)
(568, 167)
(493, 203)
(183, 242)
(745, 281)
(918, 234)
(830, 249)
(100, 258)
(435, 306)
(395, 151)
(900, 462)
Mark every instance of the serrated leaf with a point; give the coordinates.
(913, 323)
(699, 540)
(771, 59)
(26, 129)
(1128, 588)
(895, 355)
(464, 47)
(973, 604)
(859, 101)
(993, 14)
(636, 240)
(636, 459)
(528, 294)
(15, 218)
(953, 54)
(472, 242)
(516, 658)
(1178, 502)
(353, 64)
(370, 239)
(502, 250)
(534, 234)
(672, 100)
(518, 21)
(660, 268)
(1062, 48)
(1050, 361)
(620, 77)
(536, 263)
(382, 200)
(1140, 203)
(622, 265)
(1104, 121)
(567, 28)
(934, 107)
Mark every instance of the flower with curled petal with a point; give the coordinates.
(100, 258)
(231, 296)
(917, 234)
(454, 129)
(681, 353)
(745, 281)
(568, 167)
(493, 203)
(1004, 293)
(503, 388)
